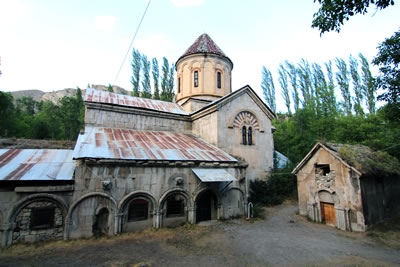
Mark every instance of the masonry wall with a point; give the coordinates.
(340, 187)
(114, 186)
(116, 117)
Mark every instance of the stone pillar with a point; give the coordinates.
(340, 218)
(191, 215)
(157, 221)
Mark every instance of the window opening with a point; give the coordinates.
(42, 218)
(219, 80)
(323, 169)
(179, 85)
(175, 206)
(250, 136)
(138, 210)
(196, 78)
(244, 139)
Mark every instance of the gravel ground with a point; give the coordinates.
(283, 238)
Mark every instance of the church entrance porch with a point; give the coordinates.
(206, 207)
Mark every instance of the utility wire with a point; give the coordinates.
(130, 46)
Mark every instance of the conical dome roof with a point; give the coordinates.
(204, 45)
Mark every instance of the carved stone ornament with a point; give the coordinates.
(327, 180)
(106, 184)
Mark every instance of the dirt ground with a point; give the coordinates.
(283, 238)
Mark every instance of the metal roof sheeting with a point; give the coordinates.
(213, 175)
(36, 164)
(99, 96)
(114, 143)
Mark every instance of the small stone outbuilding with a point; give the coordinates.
(348, 186)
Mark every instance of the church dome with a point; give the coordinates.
(203, 72)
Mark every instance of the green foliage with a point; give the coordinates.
(136, 66)
(41, 120)
(358, 99)
(343, 80)
(369, 85)
(156, 77)
(281, 184)
(146, 93)
(268, 87)
(388, 61)
(283, 81)
(332, 14)
(110, 88)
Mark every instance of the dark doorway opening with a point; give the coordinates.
(100, 226)
(205, 209)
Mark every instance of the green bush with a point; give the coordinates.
(280, 185)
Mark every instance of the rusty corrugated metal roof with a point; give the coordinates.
(36, 164)
(114, 143)
(213, 175)
(100, 96)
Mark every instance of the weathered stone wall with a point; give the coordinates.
(116, 117)
(23, 231)
(207, 128)
(342, 185)
(259, 155)
(114, 186)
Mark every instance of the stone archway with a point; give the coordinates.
(174, 209)
(327, 212)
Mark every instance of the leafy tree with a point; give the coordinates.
(47, 123)
(164, 79)
(388, 61)
(146, 93)
(268, 87)
(283, 81)
(332, 13)
(136, 66)
(7, 111)
(357, 87)
(369, 86)
(156, 77)
(292, 73)
(343, 80)
(27, 105)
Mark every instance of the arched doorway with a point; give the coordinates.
(206, 206)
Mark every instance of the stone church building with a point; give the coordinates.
(142, 163)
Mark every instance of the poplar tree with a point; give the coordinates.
(353, 62)
(267, 85)
(292, 73)
(321, 92)
(156, 77)
(283, 81)
(343, 80)
(136, 66)
(146, 87)
(304, 72)
(164, 80)
(369, 85)
(331, 98)
(170, 91)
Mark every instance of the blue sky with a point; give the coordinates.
(54, 44)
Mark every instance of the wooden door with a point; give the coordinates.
(328, 213)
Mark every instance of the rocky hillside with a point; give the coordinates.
(54, 96)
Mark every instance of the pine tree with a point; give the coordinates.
(268, 87)
(146, 87)
(136, 66)
(283, 81)
(353, 62)
(156, 77)
(369, 85)
(343, 80)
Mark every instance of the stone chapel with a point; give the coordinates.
(142, 163)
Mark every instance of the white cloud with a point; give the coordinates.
(155, 45)
(105, 22)
(183, 3)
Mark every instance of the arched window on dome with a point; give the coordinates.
(179, 85)
(244, 137)
(196, 78)
(219, 80)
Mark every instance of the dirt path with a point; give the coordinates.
(282, 238)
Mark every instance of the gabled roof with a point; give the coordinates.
(204, 45)
(36, 164)
(228, 98)
(126, 144)
(361, 159)
(105, 97)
